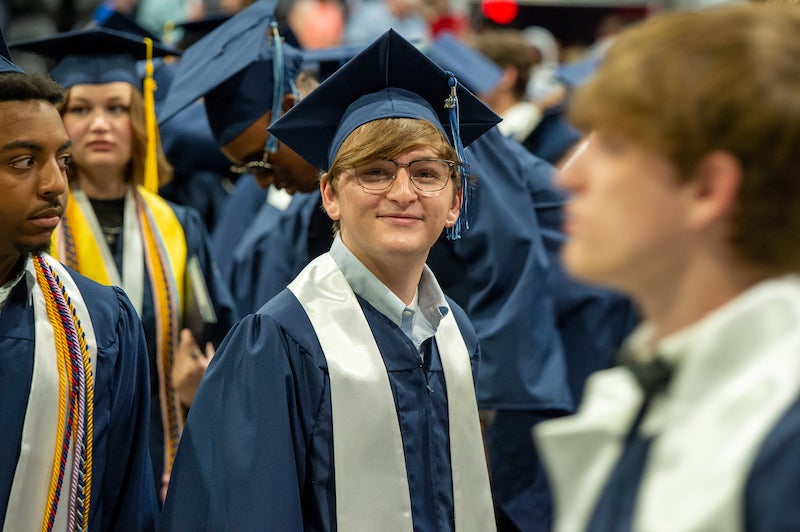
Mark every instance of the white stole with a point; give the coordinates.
(132, 278)
(371, 480)
(739, 374)
(29, 492)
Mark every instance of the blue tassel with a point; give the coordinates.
(277, 84)
(451, 103)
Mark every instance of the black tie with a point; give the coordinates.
(614, 509)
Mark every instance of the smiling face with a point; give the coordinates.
(34, 153)
(98, 121)
(395, 225)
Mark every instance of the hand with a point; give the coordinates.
(188, 367)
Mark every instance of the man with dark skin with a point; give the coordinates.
(67, 345)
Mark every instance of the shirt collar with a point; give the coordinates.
(27, 272)
(431, 304)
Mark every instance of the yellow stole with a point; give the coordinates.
(162, 242)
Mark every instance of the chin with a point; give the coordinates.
(33, 248)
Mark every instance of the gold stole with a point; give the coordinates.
(160, 237)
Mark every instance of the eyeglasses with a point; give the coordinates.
(427, 175)
(253, 167)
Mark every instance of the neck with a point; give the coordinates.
(503, 102)
(672, 306)
(9, 266)
(103, 185)
(401, 278)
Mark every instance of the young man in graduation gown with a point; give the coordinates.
(684, 196)
(347, 402)
(74, 386)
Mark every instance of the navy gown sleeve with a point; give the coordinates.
(123, 494)
(772, 490)
(198, 243)
(239, 211)
(241, 458)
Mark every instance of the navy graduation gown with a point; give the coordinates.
(553, 136)
(271, 251)
(770, 501)
(541, 332)
(123, 495)
(236, 218)
(257, 450)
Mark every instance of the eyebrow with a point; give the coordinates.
(32, 146)
(81, 99)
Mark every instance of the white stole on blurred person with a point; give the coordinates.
(737, 371)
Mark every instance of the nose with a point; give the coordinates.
(98, 121)
(402, 189)
(571, 169)
(53, 180)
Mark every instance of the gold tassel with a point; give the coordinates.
(150, 162)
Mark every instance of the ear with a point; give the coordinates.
(455, 209)
(329, 200)
(509, 78)
(289, 100)
(714, 188)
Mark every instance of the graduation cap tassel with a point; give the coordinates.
(149, 87)
(277, 86)
(451, 103)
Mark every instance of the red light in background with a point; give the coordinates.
(500, 11)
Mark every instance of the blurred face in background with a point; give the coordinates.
(98, 120)
(626, 213)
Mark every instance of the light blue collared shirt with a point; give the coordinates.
(419, 322)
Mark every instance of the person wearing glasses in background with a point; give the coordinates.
(347, 402)
(247, 77)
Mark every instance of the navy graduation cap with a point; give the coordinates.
(192, 31)
(388, 79)
(326, 61)
(242, 68)
(575, 74)
(6, 65)
(114, 20)
(476, 71)
(93, 56)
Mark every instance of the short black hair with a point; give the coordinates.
(16, 86)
